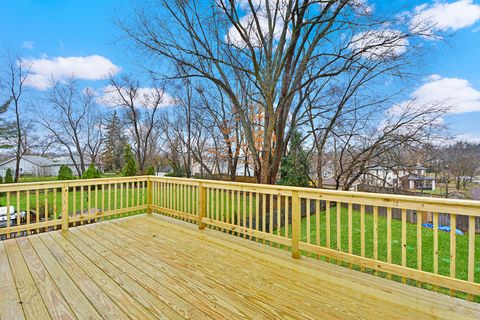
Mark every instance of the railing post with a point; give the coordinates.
(149, 196)
(202, 202)
(295, 225)
(65, 216)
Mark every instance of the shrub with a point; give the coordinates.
(9, 176)
(65, 173)
(150, 171)
(176, 173)
(1, 179)
(91, 172)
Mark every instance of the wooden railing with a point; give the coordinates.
(376, 233)
(44, 206)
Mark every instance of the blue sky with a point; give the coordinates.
(60, 31)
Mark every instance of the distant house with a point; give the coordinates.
(37, 166)
(29, 165)
(220, 167)
(162, 171)
(408, 177)
(417, 182)
(57, 162)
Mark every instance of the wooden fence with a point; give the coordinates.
(365, 231)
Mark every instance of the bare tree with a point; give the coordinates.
(14, 79)
(461, 160)
(94, 137)
(362, 142)
(274, 48)
(141, 110)
(223, 116)
(71, 121)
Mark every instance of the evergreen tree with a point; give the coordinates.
(112, 154)
(8, 176)
(130, 168)
(91, 172)
(65, 173)
(295, 165)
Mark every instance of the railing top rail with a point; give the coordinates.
(22, 186)
(456, 206)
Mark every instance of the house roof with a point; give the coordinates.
(416, 177)
(407, 167)
(38, 160)
(43, 161)
(166, 168)
(66, 160)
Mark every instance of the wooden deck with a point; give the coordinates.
(146, 267)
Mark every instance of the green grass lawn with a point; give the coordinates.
(37, 179)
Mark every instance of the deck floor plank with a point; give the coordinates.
(10, 307)
(109, 252)
(78, 302)
(392, 292)
(154, 267)
(266, 290)
(201, 295)
(32, 302)
(98, 298)
(121, 297)
(159, 309)
(54, 300)
(260, 306)
(332, 279)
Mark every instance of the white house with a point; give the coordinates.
(399, 177)
(65, 160)
(37, 166)
(29, 165)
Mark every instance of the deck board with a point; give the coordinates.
(30, 298)
(283, 296)
(9, 301)
(151, 267)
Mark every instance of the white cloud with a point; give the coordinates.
(473, 138)
(28, 45)
(380, 44)
(445, 16)
(44, 69)
(146, 97)
(248, 23)
(457, 94)
(362, 7)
